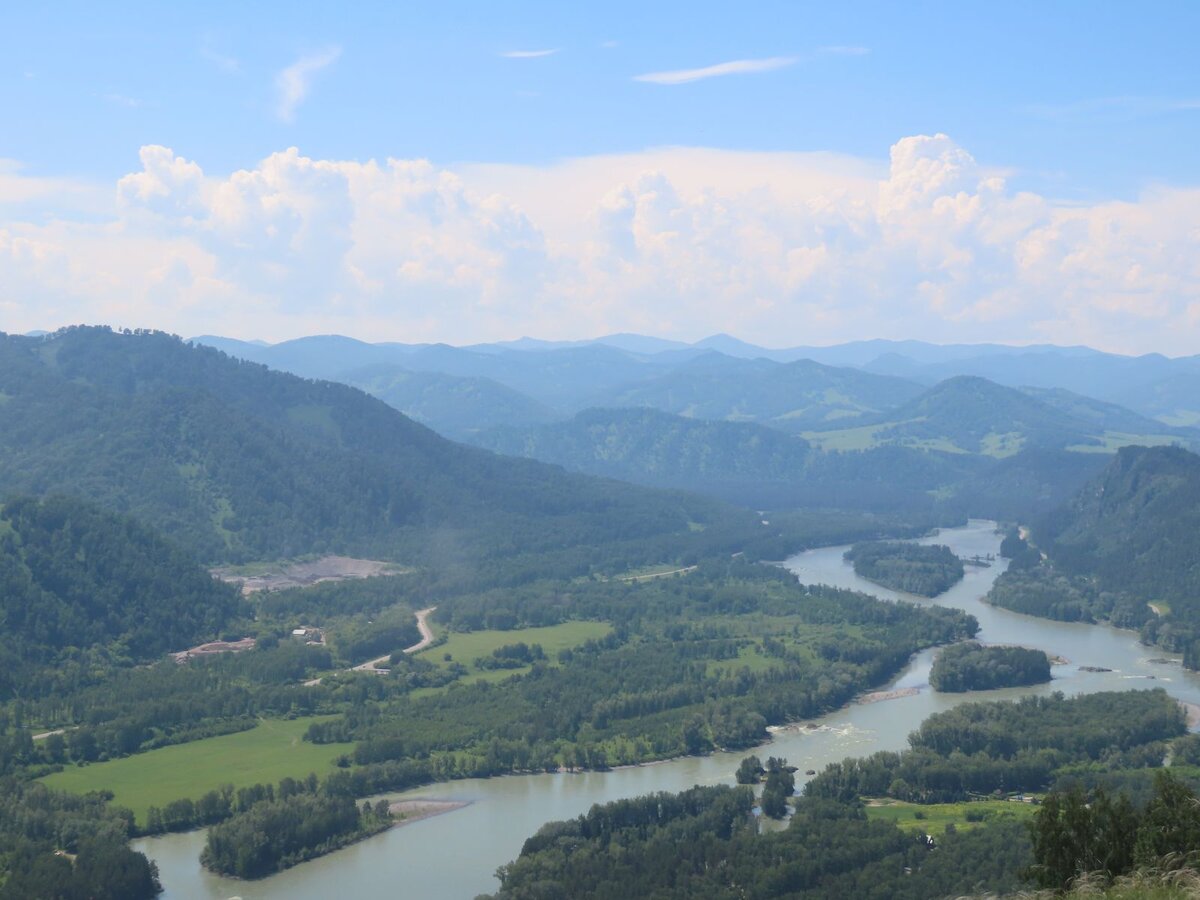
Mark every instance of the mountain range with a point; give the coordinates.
(236, 461)
(569, 376)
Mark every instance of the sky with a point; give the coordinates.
(790, 173)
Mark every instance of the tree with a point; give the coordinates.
(750, 771)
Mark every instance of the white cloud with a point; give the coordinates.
(780, 248)
(293, 83)
(735, 67)
(527, 54)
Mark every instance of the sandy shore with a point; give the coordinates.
(408, 811)
(1193, 714)
(878, 696)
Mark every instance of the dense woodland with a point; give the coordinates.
(927, 570)
(234, 461)
(279, 833)
(1129, 539)
(705, 842)
(978, 748)
(973, 667)
(186, 457)
(81, 588)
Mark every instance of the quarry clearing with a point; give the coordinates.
(277, 576)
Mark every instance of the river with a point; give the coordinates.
(455, 855)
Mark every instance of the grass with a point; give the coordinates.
(1002, 445)
(1112, 441)
(271, 751)
(936, 816)
(467, 646)
(861, 438)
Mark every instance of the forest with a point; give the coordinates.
(706, 843)
(685, 643)
(1123, 550)
(972, 667)
(925, 570)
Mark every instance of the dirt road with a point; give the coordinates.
(426, 639)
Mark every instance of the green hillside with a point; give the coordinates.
(455, 406)
(737, 461)
(967, 414)
(789, 396)
(236, 462)
(1128, 540)
(77, 580)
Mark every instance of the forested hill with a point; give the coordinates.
(1128, 540)
(788, 396)
(75, 579)
(737, 461)
(1136, 527)
(974, 415)
(235, 461)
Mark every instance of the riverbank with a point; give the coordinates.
(408, 811)
(880, 696)
(1192, 712)
(427, 861)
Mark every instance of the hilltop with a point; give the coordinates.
(235, 461)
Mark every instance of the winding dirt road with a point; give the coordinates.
(426, 639)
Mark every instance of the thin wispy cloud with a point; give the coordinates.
(223, 61)
(1114, 108)
(734, 67)
(528, 54)
(294, 83)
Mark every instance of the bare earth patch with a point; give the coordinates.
(408, 811)
(212, 647)
(303, 574)
(1193, 714)
(878, 696)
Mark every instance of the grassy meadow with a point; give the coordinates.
(271, 751)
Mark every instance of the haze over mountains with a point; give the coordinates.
(235, 461)
(569, 376)
(801, 427)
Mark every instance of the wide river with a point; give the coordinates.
(455, 855)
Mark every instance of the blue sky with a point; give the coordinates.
(1080, 104)
(1086, 98)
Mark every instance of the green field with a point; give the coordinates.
(267, 753)
(467, 646)
(936, 816)
(1112, 441)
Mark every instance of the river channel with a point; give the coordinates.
(455, 855)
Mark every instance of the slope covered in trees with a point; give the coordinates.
(973, 415)
(79, 585)
(973, 667)
(737, 461)
(705, 842)
(455, 406)
(789, 396)
(922, 569)
(1129, 538)
(235, 461)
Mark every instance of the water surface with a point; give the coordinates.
(456, 855)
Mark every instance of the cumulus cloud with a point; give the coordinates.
(734, 67)
(293, 83)
(780, 248)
